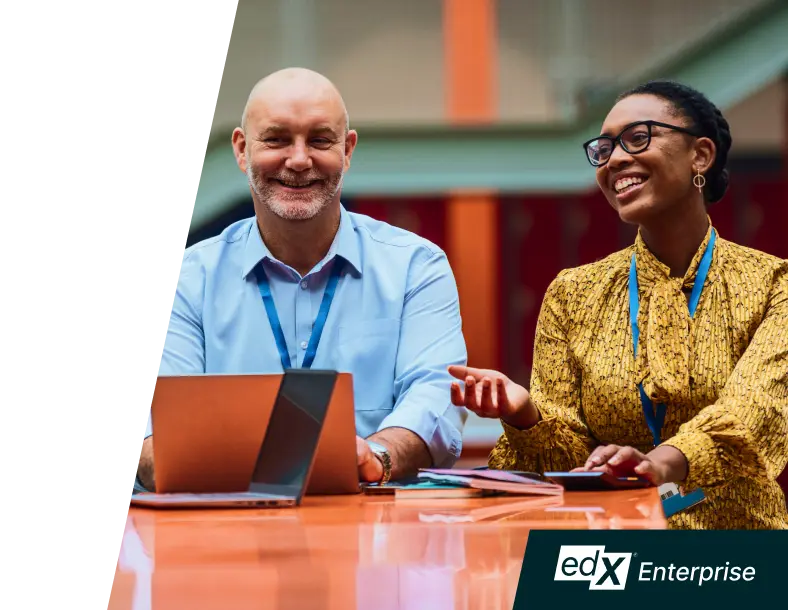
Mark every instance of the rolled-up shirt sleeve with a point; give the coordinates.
(430, 340)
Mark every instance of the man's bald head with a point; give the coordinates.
(295, 83)
(294, 144)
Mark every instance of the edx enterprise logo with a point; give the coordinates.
(609, 571)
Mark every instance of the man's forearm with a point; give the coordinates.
(408, 451)
(145, 467)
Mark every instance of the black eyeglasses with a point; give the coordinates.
(635, 138)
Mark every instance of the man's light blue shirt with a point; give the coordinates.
(394, 322)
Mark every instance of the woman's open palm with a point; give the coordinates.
(491, 394)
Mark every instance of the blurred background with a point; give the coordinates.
(470, 116)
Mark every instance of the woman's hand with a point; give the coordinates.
(492, 394)
(662, 465)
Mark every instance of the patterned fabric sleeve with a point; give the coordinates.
(561, 440)
(745, 432)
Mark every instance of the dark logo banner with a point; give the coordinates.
(653, 569)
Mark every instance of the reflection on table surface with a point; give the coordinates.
(353, 552)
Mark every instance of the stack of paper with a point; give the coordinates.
(438, 489)
(481, 482)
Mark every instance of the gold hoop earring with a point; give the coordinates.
(699, 181)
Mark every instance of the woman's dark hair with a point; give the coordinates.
(706, 119)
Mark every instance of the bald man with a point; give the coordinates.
(247, 301)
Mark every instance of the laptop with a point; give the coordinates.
(207, 431)
(285, 458)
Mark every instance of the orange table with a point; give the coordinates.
(341, 553)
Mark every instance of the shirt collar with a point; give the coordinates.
(650, 269)
(344, 245)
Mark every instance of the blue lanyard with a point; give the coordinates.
(320, 321)
(655, 418)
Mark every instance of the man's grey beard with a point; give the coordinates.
(294, 206)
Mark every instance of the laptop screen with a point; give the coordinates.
(291, 439)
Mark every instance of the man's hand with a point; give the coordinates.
(370, 468)
(145, 468)
(662, 465)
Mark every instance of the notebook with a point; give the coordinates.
(491, 480)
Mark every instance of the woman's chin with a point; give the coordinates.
(635, 212)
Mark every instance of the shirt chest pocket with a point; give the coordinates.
(368, 350)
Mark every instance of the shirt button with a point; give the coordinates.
(304, 285)
(304, 344)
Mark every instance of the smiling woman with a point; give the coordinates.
(668, 359)
(665, 133)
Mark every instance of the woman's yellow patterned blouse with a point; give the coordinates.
(723, 376)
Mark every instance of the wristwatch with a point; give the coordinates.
(385, 458)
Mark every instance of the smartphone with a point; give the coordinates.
(595, 481)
